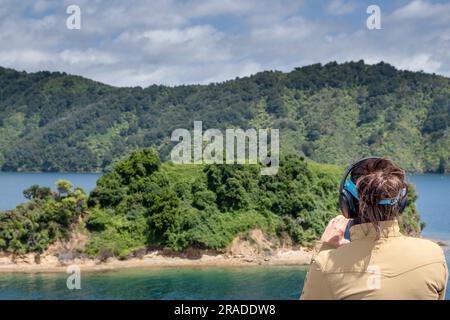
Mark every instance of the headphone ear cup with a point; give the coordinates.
(343, 206)
(348, 204)
(403, 203)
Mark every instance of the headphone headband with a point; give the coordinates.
(348, 193)
(350, 169)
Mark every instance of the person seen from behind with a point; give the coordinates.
(362, 253)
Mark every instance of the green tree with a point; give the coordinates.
(64, 187)
(37, 192)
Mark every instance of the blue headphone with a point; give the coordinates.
(349, 198)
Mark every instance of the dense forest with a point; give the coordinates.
(331, 113)
(142, 203)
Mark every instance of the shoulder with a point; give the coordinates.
(403, 251)
(344, 258)
(424, 248)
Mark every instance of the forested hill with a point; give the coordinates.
(331, 113)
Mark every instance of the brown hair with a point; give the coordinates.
(376, 180)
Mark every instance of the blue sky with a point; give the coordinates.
(136, 42)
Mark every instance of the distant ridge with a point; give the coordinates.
(332, 113)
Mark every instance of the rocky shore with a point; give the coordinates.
(253, 250)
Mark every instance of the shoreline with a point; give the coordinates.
(51, 264)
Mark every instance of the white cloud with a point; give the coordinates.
(233, 70)
(86, 57)
(24, 57)
(219, 7)
(421, 61)
(420, 9)
(340, 7)
(41, 5)
(199, 43)
(139, 42)
(176, 74)
(418, 62)
(291, 30)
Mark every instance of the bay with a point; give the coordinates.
(191, 283)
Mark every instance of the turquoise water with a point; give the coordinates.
(163, 283)
(191, 283)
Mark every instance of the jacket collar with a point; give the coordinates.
(389, 228)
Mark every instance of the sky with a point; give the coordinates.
(173, 42)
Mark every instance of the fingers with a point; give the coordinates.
(340, 218)
(339, 222)
(341, 225)
(334, 232)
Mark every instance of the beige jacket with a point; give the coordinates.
(393, 267)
